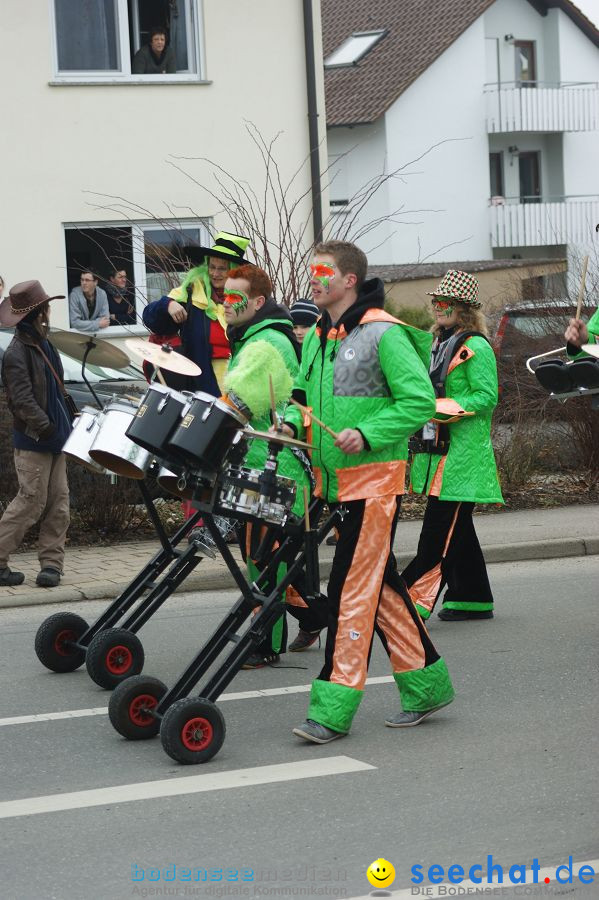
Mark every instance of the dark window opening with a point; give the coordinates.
(526, 67)
(496, 172)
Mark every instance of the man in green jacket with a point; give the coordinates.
(364, 375)
(260, 333)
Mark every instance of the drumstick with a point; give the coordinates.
(160, 377)
(305, 409)
(581, 290)
(306, 509)
(273, 405)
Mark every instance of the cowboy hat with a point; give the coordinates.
(22, 299)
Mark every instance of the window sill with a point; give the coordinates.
(130, 80)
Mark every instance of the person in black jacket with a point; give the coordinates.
(32, 375)
(155, 57)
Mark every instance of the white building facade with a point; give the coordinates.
(101, 165)
(492, 151)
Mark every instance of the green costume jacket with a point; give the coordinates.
(468, 472)
(369, 372)
(593, 329)
(276, 328)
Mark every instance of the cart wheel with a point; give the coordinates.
(54, 639)
(131, 704)
(114, 655)
(192, 730)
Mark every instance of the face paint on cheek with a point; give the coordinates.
(323, 273)
(443, 306)
(237, 301)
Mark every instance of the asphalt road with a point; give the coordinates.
(508, 771)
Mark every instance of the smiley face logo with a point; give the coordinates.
(380, 873)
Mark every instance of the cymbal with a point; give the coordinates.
(102, 353)
(277, 438)
(591, 349)
(161, 358)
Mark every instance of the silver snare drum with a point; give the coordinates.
(112, 448)
(240, 496)
(81, 438)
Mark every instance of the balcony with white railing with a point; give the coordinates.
(530, 222)
(542, 107)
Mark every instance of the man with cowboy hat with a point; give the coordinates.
(192, 317)
(32, 375)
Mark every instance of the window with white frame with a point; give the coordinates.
(153, 255)
(109, 40)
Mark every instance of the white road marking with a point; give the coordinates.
(191, 784)
(240, 695)
(433, 892)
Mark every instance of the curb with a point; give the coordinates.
(211, 580)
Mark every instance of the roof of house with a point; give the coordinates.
(414, 271)
(417, 33)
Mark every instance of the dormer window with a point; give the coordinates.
(354, 48)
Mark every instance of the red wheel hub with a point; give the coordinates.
(197, 734)
(140, 710)
(119, 660)
(61, 640)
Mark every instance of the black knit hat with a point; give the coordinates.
(304, 313)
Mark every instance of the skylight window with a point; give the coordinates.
(353, 48)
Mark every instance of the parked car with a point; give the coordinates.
(106, 382)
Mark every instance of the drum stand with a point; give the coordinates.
(90, 345)
(110, 647)
(192, 730)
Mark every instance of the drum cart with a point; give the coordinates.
(192, 729)
(110, 646)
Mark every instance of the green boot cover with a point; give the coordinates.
(423, 689)
(333, 705)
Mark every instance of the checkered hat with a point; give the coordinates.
(458, 286)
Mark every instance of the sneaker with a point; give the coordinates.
(408, 719)
(259, 660)
(48, 577)
(331, 540)
(8, 578)
(304, 640)
(318, 734)
(460, 615)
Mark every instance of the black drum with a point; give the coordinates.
(205, 433)
(584, 373)
(159, 413)
(554, 376)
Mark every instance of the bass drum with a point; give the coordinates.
(113, 449)
(81, 438)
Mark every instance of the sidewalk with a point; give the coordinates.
(98, 573)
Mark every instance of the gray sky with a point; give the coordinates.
(590, 8)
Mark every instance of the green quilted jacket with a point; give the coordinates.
(277, 330)
(369, 372)
(468, 472)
